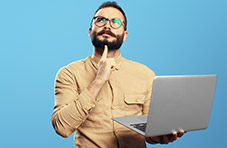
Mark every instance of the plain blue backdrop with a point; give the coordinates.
(37, 37)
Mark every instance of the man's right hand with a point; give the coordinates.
(105, 66)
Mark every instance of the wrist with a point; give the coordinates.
(151, 141)
(95, 87)
(99, 81)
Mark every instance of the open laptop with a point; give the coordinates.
(177, 103)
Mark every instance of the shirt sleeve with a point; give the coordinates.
(71, 106)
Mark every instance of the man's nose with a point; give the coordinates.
(107, 25)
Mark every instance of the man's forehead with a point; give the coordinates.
(110, 12)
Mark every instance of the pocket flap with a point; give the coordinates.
(134, 98)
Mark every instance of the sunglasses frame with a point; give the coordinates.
(122, 22)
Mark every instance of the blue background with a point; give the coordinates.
(37, 37)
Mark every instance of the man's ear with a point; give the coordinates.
(125, 35)
(89, 32)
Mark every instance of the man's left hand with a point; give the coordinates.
(165, 139)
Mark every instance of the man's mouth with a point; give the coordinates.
(106, 33)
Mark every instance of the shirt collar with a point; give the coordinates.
(95, 61)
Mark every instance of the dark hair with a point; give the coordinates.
(114, 5)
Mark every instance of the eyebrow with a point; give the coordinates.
(109, 18)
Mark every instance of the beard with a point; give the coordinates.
(99, 44)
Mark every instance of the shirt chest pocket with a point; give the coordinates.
(133, 104)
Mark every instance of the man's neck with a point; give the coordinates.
(111, 53)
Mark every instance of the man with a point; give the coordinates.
(88, 93)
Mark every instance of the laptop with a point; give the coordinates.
(177, 103)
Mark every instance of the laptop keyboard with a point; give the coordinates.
(140, 126)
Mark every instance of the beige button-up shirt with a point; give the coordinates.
(126, 93)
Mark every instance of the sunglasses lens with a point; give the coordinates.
(99, 21)
(116, 23)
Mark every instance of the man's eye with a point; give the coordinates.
(117, 21)
(101, 20)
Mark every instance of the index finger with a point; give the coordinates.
(104, 54)
(174, 135)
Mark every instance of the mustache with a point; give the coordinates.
(106, 31)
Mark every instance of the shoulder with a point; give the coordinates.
(78, 64)
(71, 68)
(137, 67)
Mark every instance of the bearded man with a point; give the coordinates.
(89, 92)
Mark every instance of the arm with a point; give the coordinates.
(71, 107)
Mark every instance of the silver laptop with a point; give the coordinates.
(177, 103)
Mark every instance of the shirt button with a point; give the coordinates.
(92, 105)
(111, 81)
(98, 99)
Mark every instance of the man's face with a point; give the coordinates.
(106, 35)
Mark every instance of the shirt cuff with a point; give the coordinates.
(87, 100)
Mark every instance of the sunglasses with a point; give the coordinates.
(115, 23)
